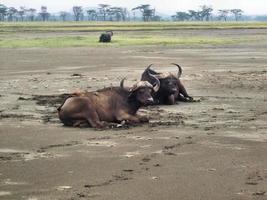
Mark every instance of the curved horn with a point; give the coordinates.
(157, 85)
(122, 83)
(148, 68)
(180, 71)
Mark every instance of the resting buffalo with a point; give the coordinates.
(106, 37)
(113, 104)
(171, 88)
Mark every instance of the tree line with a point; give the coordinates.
(105, 12)
(205, 14)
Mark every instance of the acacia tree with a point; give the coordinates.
(223, 14)
(205, 12)
(147, 13)
(44, 14)
(78, 12)
(63, 15)
(3, 12)
(181, 16)
(92, 15)
(31, 14)
(11, 12)
(117, 13)
(22, 12)
(194, 15)
(103, 10)
(237, 13)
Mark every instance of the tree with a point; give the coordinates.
(181, 16)
(44, 14)
(147, 13)
(194, 15)
(92, 15)
(223, 14)
(11, 12)
(22, 12)
(237, 13)
(117, 13)
(103, 9)
(63, 15)
(3, 12)
(31, 12)
(156, 18)
(205, 12)
(77, 11)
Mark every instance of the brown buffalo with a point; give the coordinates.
(171, 87)
(113, 104)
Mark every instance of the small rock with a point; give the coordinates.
(22, 98)
(259, 193)
(211, 133)
(251, 183)
(75, 74)
(63, 187)
(128, 170)
(212, 169)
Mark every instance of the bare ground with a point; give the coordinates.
(214, 149)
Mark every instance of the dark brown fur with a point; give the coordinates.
(106, 37)
(114, 104)
(171, 88)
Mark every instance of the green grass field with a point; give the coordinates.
(123, 26)
(13, 35)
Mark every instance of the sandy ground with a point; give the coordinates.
(214, 149)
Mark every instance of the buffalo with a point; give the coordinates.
(112, 104)
(106, 37)
(171, 88)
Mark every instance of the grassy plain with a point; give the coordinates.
(85, 34)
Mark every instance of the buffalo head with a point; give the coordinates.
(142, 91)
(110, 33)
(168, 81)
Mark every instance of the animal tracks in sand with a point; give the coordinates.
(102, 143)
(20, 155)
(10, 182)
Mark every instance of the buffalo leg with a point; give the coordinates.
(184, 99)
(81, 123)
(183, 91)
(131, 119)
(93, 120)
(170, 100)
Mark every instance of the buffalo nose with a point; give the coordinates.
(174, 90)
(150, 100)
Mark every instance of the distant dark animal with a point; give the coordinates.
(171, 87)
(113, 104)
(106, 37)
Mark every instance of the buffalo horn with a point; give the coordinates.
(122, 83)
(180, 71)
(156, 85)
